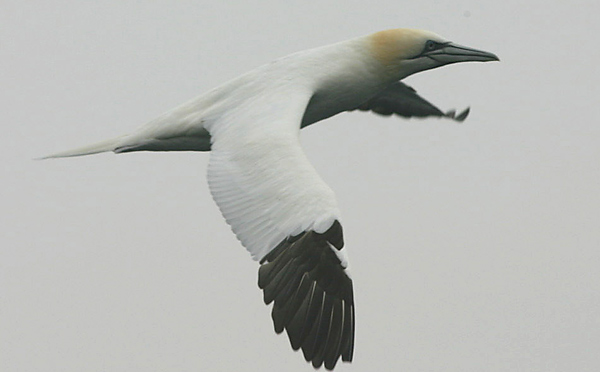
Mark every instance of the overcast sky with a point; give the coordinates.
(474, 246)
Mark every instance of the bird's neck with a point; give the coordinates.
(346, 75)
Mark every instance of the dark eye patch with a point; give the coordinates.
(430, 46)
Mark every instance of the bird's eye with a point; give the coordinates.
(430, 45)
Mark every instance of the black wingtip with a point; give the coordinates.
(312, 296)
(463, 115)
(451, 114)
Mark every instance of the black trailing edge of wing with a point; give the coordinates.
(312, 295)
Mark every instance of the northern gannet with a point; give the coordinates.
(271, 196)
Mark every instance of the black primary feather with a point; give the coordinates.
(312, 295)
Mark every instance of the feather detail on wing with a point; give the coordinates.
(400, 99)
(261, 179)
(287, 217)
(312, 295)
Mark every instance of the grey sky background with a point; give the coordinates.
(474, 247)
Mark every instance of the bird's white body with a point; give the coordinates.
(276, 203)
(254, 121)
(344, 75)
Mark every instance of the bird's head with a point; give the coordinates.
(404, 52)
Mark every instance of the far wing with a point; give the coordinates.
(400, 99)
(287, 217)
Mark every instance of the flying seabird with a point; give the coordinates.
(271, 196)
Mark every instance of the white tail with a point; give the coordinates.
(104, 146)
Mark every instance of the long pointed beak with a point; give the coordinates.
(453, 53)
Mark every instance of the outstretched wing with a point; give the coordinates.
(287, 217)
(400, 99)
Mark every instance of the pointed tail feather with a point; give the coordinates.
(104, 146)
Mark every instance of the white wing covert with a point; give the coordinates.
(259, 176)
(287, 217)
